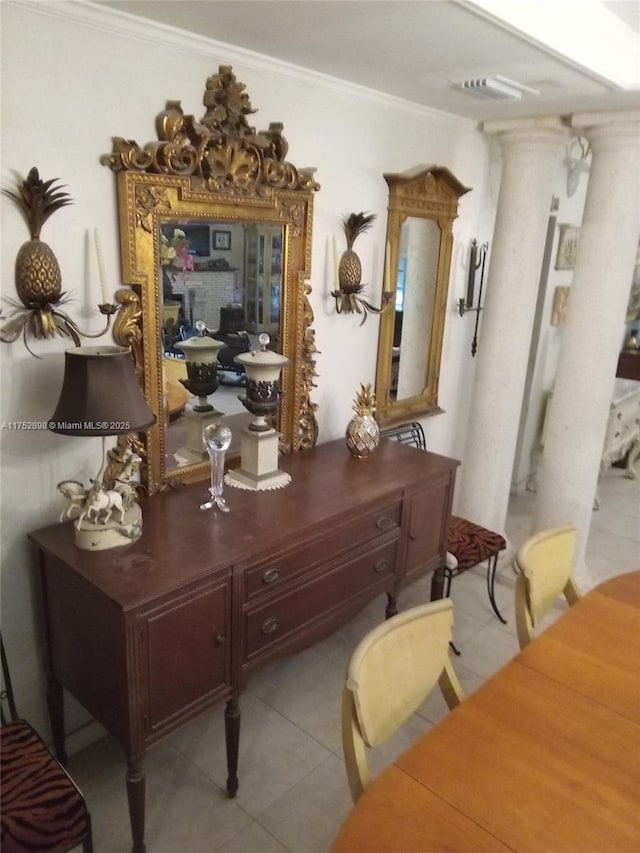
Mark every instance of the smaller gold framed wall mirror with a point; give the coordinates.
(423, 204)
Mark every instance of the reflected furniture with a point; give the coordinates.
(543, 756)
(147, 638)
(629, 365)
(423, 203)
(622, 438)
(544, 563)
(42, 808)
(390, 674)
(220, 174)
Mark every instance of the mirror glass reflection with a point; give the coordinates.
(418, 251)
(423, 204)
(229, 276)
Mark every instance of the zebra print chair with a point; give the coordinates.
(42, 809)
(468, 544)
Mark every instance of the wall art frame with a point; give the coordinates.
(567, 247)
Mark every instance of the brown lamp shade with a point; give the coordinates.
(100, 394)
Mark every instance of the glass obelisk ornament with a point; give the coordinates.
(259, 441)
(216, 438)
(201, 354)
(363, 432)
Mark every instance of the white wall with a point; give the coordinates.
(72, 80)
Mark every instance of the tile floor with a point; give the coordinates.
(293, 791)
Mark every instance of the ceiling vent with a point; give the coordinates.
(499, 88)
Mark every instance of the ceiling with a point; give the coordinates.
(419, 49)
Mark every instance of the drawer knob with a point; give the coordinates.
(271, 575)
(221, 640)
(270, 625)
(381, 566)
(385, 523)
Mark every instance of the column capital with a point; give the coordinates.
(612, 118)
(523, 125)
(610, 130)
(542, 130)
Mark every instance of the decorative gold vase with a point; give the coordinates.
(363, 432)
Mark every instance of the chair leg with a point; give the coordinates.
(87, 844)
(446, 589)
(448, 577)
(492, 565)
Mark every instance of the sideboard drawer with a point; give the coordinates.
(290, 612)
(273, 573)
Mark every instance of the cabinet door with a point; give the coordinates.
(188, 648)
(428, 512)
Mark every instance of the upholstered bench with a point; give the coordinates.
(468, 545)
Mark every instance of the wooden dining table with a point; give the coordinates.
(544, 756)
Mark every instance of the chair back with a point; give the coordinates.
(545, 565)
(407, 434)
(390, 674)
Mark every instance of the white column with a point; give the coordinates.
(531, 150)
(577, 417)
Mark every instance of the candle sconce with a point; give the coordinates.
(37, 272)
(477, 260)
(348, 271)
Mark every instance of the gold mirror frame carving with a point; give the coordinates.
(217, 169)
(427, 192)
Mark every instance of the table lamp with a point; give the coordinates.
(101, 396)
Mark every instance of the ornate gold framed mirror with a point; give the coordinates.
(215, 226)
(423, 204)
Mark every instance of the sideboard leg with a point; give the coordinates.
(136, 796)
(392, 606)
(55, 703)
(232, 736)
(437, 585)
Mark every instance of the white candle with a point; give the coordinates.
(336, 264)
(101, 272)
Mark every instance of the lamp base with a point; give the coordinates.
(93, 536)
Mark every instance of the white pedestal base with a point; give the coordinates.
(114, 534)
(258, 462)
(196, 422)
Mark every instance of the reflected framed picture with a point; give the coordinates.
(221, 240)
(567, 247)
(560, 302)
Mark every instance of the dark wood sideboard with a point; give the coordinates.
(149, 635)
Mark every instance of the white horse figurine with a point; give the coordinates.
(128, 492)
(76, 495)
(99, 506)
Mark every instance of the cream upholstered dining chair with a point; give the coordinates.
(544, 564)
(391, 672)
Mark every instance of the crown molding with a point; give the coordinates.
(123, 24)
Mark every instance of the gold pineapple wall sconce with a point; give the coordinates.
(348, 271)
(38, 313)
